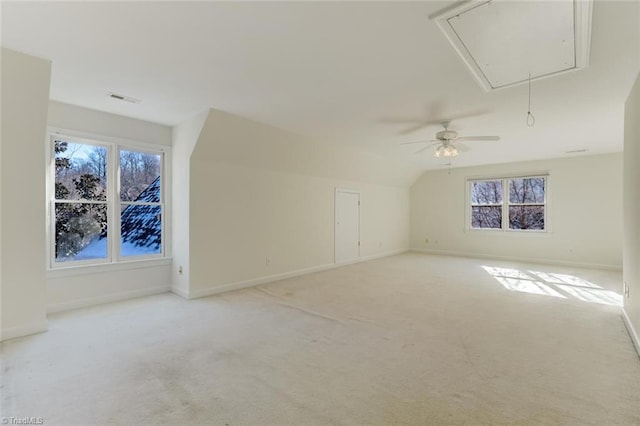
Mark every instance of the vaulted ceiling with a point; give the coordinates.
(357, 73)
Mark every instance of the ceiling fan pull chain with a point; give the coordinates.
(531, 120)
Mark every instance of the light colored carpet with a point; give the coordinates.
(410, 339)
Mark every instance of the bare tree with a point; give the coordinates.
(137, 171)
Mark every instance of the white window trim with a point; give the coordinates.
(505, 230)
(113, 261)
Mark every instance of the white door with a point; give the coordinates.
(347, 225)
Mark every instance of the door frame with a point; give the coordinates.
(335, 221)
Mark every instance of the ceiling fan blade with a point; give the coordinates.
(423, 149)
(419, 126)
(478, 138)
(462, 147)
(410, 143)
(474, 113)
(436, 111)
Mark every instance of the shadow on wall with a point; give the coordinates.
(555, 285)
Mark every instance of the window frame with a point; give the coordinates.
(113, 202)
(119, 203)
(506, 203)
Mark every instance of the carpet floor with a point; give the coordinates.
(409, 339)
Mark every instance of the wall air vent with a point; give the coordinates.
(502, 42)
(124, 98)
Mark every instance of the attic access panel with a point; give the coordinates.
(502, 41)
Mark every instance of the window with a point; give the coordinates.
(140, 203)
(516, 203)
(107, 202)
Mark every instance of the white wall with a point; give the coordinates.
(584, 213)
(76, 287)
(185, 137)
(87, 120)
(25, 95)
(257, 192)
(631, 272)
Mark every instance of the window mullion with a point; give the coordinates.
(505, 204)
(140, 203)
(114, 223)
(80, 201)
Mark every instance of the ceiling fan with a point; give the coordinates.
(448, 143)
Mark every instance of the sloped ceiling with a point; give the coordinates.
(357, 73)
(230, 139)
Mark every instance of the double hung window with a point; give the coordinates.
(516, 203)
(106, 202)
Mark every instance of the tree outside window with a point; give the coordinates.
(524, 207)
(80, 200)
(86, 197)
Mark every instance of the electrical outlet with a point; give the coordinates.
(626, 289)
(426, 241)
(180, 270)
(267, 261)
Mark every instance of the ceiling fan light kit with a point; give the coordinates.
(448, 143)
(446, 151)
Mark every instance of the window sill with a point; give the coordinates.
(71, 271)
(511, 232)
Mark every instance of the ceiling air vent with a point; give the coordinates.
(124, 98)
(502, 42)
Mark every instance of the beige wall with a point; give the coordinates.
(257, 192)
(25, 97)
(631, 270)
(584, 213)
(76, 287)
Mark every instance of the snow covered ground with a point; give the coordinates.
(97, 249)
(141, 230)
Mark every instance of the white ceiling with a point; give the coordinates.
(342, 72)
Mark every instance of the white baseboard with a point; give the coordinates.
(277, 277)
(180, 292)
(109, 298)
(632, 331)
(520, 259)
(25, 330)
(256, 281)
(371, 257)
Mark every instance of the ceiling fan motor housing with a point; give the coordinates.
(446, 135)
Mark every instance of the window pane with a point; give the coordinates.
(138, 170)
(486, 192)
(141, 230)
(526, 217)
(486, 217)
(81, 231)
(80, 171)
(527, 190)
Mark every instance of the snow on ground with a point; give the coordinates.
(97, 249)
(140, 226)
